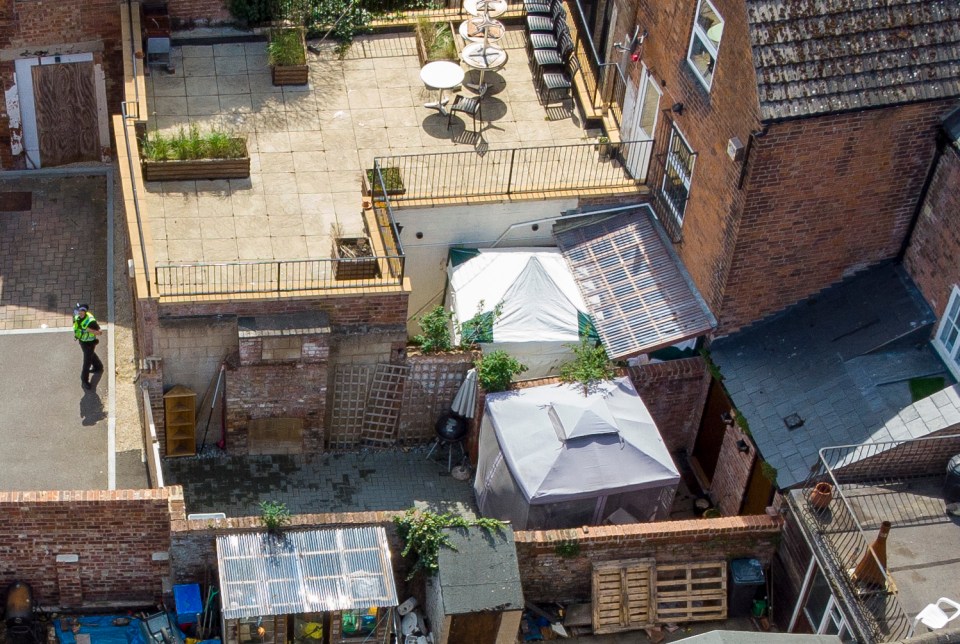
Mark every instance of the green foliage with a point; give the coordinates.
(567, 549)
(741, 421)
(589, 367)
(286, 48)
(188, 145)
(435, 324)
(496, 369)
(392, 181)
(274, 515)
(422, 535)
(252, 12)
(711, 365)
(769, 472)
(437, 39)
(921, 388)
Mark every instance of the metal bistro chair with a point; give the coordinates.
(553, 84)
(546, 23)
(467, 105)
(544, 7)
(544, 59)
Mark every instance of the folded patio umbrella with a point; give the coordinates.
(465, 401)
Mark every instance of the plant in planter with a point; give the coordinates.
(392, 182)
(274, 515)
(192, 155)
(589, 367)
(435, 41)
(354, 257)
(287, 54)
(496, 369)
(603, 147)
(435, 325)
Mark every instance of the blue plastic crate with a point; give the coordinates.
(186, 599)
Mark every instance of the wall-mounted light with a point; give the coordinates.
(743, 446)
(677, 108)
(727, 418)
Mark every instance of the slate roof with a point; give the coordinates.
(818, 56)
(479, 572)
(841, 360)
(637, 290)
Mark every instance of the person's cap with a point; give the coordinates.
(83, 307)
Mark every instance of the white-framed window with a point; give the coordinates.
(705, 42)
(947, 338)
(678, 172)
(819, 606)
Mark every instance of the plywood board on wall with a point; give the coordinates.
(66, 107)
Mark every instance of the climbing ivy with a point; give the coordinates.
(423, 536)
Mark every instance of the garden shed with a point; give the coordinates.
(521, 300)
(553, 457)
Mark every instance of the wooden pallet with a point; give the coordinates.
(694, 592)
(623, 595)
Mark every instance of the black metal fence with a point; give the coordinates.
(513, 171)
(870, 483)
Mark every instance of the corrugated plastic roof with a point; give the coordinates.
(818, 56)
(304, 572)
(638, 292)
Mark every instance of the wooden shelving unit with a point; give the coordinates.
(180, 405)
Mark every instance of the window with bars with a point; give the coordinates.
(947, 339)
(678, 172)
(705, 42)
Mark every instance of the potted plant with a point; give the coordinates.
(354, 258)
(287, 54)
(190, 155)
(435, 41)
(603, 147)
(821, 495)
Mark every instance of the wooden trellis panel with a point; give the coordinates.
(427, 394)
(695, 592)
(383, 405)
(622, 595)
(351, 387)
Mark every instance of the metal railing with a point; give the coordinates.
(513, 171)
(869, 485)
(278, 276)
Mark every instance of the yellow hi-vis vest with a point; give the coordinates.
(80, 328)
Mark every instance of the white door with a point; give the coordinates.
(640, 113)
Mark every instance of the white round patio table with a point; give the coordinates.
(475, 29)
(492, 8)
(441, 75)
(485, 58)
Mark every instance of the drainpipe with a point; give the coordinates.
(575, 215)
(133, 56)
(938, 153)
(758, 134)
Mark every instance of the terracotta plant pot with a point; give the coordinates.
(821, 495)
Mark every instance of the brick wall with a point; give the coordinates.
(114, 535)
(430, 388)
(198, 13)
(733, 472)
(931, 259)
(708, 120)
(354, 310)
(193, 349)
(827, 196)
(547, 576)
(674, 393)
(42, 25)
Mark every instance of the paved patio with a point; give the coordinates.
(332, 482)
(310, 144)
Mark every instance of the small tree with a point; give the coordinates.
(435, 325)
(589, 367)
(496, 369)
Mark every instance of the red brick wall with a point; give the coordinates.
(674, 393)
(38, 25)
(708, 120)
(732, 473)
(547, 576)
(368, 309)
(198, 13)
(826, 197)
(114, 534)
(932, 256)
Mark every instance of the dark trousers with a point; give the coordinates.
(90, 359)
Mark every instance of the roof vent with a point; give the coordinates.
(576, 421)
(793, 421)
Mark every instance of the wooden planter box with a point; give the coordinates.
(354, 268)
(199, 169)
(422, 52)
(290, 74)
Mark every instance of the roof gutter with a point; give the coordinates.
(564, 217)
(852, 110)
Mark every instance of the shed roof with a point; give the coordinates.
(480, 573)
(304, 571)
(637, 290)
(819, 56)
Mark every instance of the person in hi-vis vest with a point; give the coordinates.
(85, 331)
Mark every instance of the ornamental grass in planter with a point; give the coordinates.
(188, 155)
(287, 54)
(435, 41)
(392, 181)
